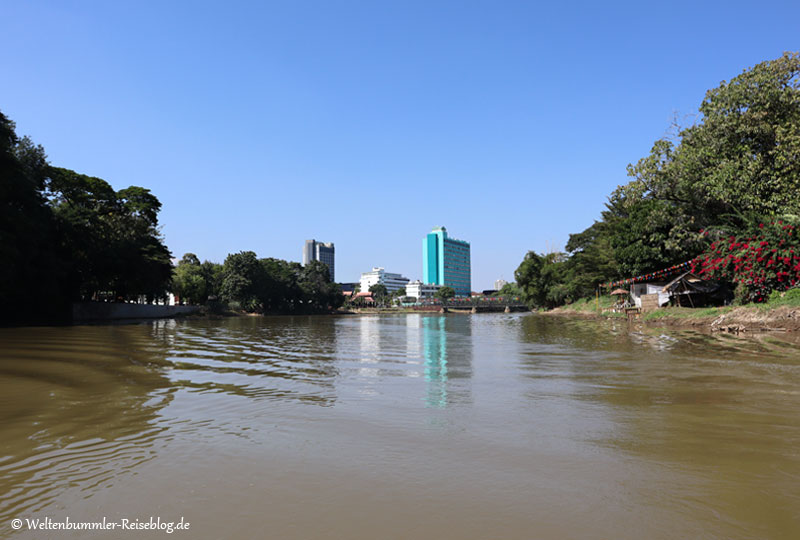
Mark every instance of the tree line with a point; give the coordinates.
(256, 285)
(66, 236)
(731, 180)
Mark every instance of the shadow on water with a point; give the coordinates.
(78, 407)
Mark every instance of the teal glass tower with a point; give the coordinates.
(445, 261)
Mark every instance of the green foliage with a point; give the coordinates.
(789, 298)
(111, 238)
(509, 290)
(378, 291)
(319, 294)
(738, 166)
(685, 313)
(590, 262)
(71, 236)
(244, 280)
(541, 279)
(194, 282)
(31, 273)
(445, 293)
(277, 286)
(590, 304)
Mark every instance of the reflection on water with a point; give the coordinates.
(502, 425)
(435, 351)
(443, 365)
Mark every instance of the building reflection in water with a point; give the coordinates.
(447, 354)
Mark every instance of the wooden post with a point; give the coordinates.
(597, 299)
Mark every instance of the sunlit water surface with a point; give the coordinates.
(412, 426)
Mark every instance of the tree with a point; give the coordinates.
(445, 293)
(509, 290)
(189, 281)
(591, 260)
(540, 277)
(320, 294)
(243, 280)
(283, 292)
(379, 292)
(32, 274)
(736, 166)
(110, 239)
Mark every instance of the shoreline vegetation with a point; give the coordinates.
(719, 197)
(780, 313)
(67, 238)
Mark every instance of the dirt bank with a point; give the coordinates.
(726, 319)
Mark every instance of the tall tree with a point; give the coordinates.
(244, 280)
(734, 168)
(540, 277)
(31, 274)
(189, 282)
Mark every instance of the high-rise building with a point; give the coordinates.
(319, 251)
(499, 284)
(446, 261)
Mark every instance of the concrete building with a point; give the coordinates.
(446, 262)
(392, 282)
(499, 284)
(320, 251)
(421, 291)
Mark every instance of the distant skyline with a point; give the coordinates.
(259, 125)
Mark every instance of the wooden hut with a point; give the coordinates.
(690, 290)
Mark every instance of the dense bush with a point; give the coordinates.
(759, 263)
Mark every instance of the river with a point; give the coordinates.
(409, 426)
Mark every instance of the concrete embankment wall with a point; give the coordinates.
(109, 311)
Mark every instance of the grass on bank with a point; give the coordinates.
(685, 313)
(590, 304)
(777, 299)
(790, 298)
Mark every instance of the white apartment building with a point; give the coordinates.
(420, 290)
(392, 282)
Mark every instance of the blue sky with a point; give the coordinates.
(260, 125)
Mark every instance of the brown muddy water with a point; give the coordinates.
(411, 426)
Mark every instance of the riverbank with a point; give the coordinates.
(781, 314)
(114, 311)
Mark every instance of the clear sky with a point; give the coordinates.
(262, 124)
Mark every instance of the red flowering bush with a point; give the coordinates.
(761, 262)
